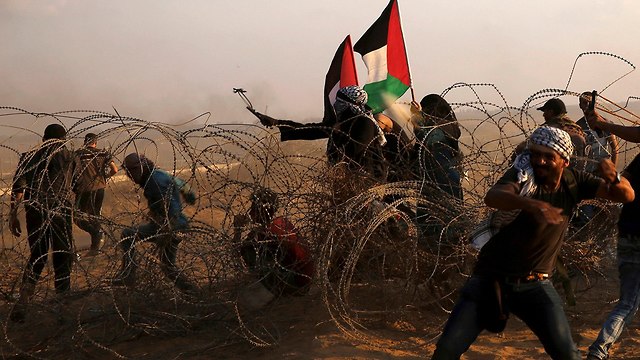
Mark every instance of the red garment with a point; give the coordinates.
(293, 256)
(281, 260)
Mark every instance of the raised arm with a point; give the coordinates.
(614, 187)
(292, 130)
(629, 133)
(113, 169)
(612, 140)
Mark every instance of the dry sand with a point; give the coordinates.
(304, 331)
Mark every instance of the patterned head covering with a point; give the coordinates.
(554, 138)
(352, 98)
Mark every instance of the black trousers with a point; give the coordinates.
(49, 228)
(89, 203)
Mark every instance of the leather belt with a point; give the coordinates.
(531, 277)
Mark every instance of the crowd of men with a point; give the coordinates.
(45, 180)
(559, 165)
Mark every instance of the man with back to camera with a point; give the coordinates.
(93, 167)
(43, 183)
(512, 271)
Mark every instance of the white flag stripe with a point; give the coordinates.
(376, 62)
(334, 92)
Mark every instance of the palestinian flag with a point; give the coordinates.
(342, 72)
(383, 51)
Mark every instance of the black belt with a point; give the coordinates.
(529, 278)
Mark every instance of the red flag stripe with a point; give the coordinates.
(348, 73)
(397, 62)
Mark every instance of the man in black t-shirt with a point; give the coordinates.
(354, 137)
(93, 167)
(511, 275)
(42, 182)
(628, 250)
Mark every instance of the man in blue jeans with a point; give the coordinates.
(512, 271)
(628, 248)
(163, 192)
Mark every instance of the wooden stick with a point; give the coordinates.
(620, 107)
(602, 109)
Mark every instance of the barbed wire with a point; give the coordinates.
(385, 254)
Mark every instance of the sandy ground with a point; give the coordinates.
(303, 329)
(105, 323)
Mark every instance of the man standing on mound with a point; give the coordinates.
(163, 192)
(512, 271)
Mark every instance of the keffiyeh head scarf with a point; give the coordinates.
(554, 138)
(352, 98)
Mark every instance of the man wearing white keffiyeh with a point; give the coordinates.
(511, 275)
(556, 139)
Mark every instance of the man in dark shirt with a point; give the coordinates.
(355, 137)
(511, 275)
(43, 182)
(628, 250)
(93, 167)
(437, 150)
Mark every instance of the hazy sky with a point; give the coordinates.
(169, 61)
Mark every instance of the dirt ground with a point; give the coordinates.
(153, 321)
(106, 324)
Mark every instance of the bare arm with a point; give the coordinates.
(113, 169)
(613, 145)
(14, 223)
(629, 133)
(621, 192)
(506, 197)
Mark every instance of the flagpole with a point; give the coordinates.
(406, 52)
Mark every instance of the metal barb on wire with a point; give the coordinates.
(241, 92)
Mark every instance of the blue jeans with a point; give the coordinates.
(622, 314)
(164, 238)
(536, 303)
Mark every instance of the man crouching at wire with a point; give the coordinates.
(511, 274)
(163, 192)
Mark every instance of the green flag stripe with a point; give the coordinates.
(383, 93)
